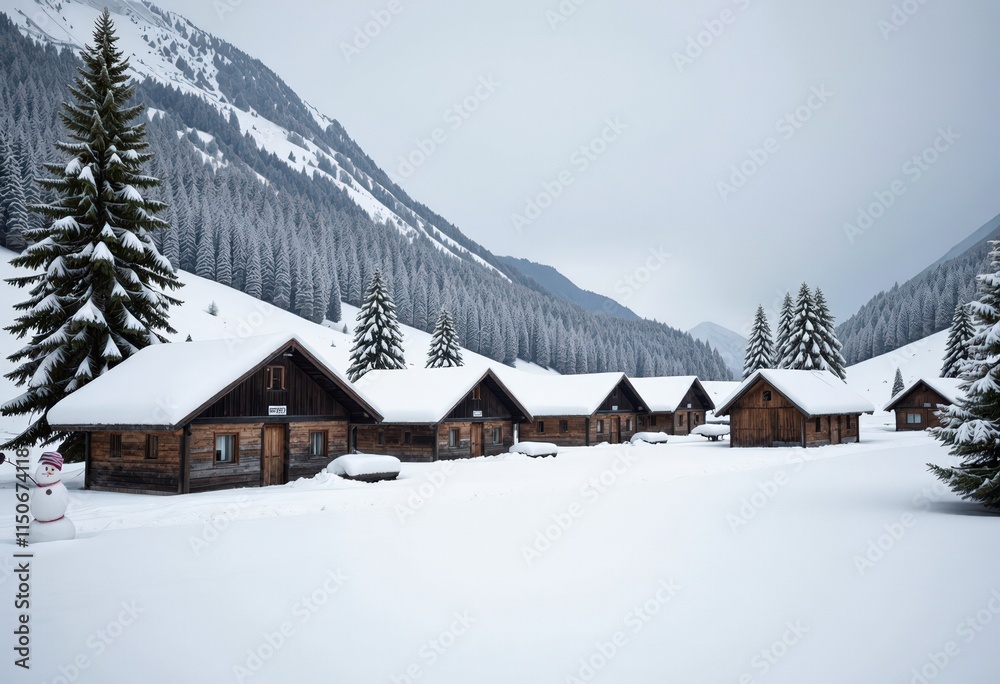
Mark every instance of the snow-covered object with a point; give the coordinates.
(422, 395)
(366, 466)
(712, 431)
(949, 388)
(664, 394)
(163, 385)
(650, 438)
(561, 395)
(534, 449)
(49, 501)
(814, 393)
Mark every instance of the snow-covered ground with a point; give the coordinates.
(686, 562)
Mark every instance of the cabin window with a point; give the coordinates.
(767, 395)
(152, 446)
(600, 427)
(628, 425)
(276, 377)
(914, 418)
(564, 426)
(680, 418)
(541, 427)
(652, 420)
(927, 404)
(476, 393)
(696, 418)
(819, 425)
(317, 444)
(116, 446)
(381, 437)
(848, 422)
(225, 448)
(498, 435)
(407, 439)
(453, 437)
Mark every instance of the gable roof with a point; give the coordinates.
(814, 393)
(164, 386)
(949, 388)
(425, 396)
(565, 395)
(665, 394)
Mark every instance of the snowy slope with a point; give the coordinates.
(165, 47)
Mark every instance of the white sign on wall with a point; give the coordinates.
(277, 410)
(477, 414)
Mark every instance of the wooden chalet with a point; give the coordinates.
(674, 405)
(917, 406)
(431, 414)
(195, 416)
(793, 408)
(576, 410)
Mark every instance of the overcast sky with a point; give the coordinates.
(691, 90)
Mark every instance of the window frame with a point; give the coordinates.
(235, 456)
(819, 423)
(564, 427)
(152, 447)
(540, 427)
(766, 396)
(325, 439)
(454, 438)
(497, 434)
(407, 437)
(380, 437)
(116, 449)
(914, 419)
(600, 426)
(275, 371)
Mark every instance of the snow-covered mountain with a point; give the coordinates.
(730, 345)
(253, 173)
(561, 286)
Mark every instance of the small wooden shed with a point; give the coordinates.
(195, 416)
(430, 414)
(674, 405)
(576, 410)
(917, 406)
(794, 408)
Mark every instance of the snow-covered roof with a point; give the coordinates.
(165, 385)
(563, 395)
(814, 393)
(664, 394)
(949, 388)
(426, 395)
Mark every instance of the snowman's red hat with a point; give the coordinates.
(52, 458)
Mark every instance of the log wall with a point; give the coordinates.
(133, 472)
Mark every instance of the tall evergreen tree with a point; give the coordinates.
(959, 339)
(97, 295)
(333, 309)
(897, 383)
(378, 343)
(444, 351)
(971, 427)
(830, 346)
(781, 335)
(760, 348)
(803, 349)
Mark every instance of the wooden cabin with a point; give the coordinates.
(576, 410)
(917, 406)
(431, 414)
(794, 408)
(674, 405)
(196, 416)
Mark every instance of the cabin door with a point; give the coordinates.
(616, 430)
(273, 455)
(835, 431)
(477, 440)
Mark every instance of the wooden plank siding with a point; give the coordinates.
(133, 472)
(920, 401)
(680, 422)
(566, 431)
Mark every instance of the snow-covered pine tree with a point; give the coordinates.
(959, 338)
(971, 427)
(444, 351)
(378, 343)
(781, 334)
(897, 383)
(98, 290)
(830, 346)
(760, 349)
(804, 345)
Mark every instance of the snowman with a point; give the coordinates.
(49, 502)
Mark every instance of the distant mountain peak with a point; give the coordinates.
(730, 345)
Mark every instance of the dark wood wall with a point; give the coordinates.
(488, 403)
(617, 398)
(574, 435)
(755, 422)
(679, 423)
(133, 472)
(922, 401)
(420, 448)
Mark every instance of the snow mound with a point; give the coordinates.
(365, 466)
(711, 431)
(650, 437)
(534, 449)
